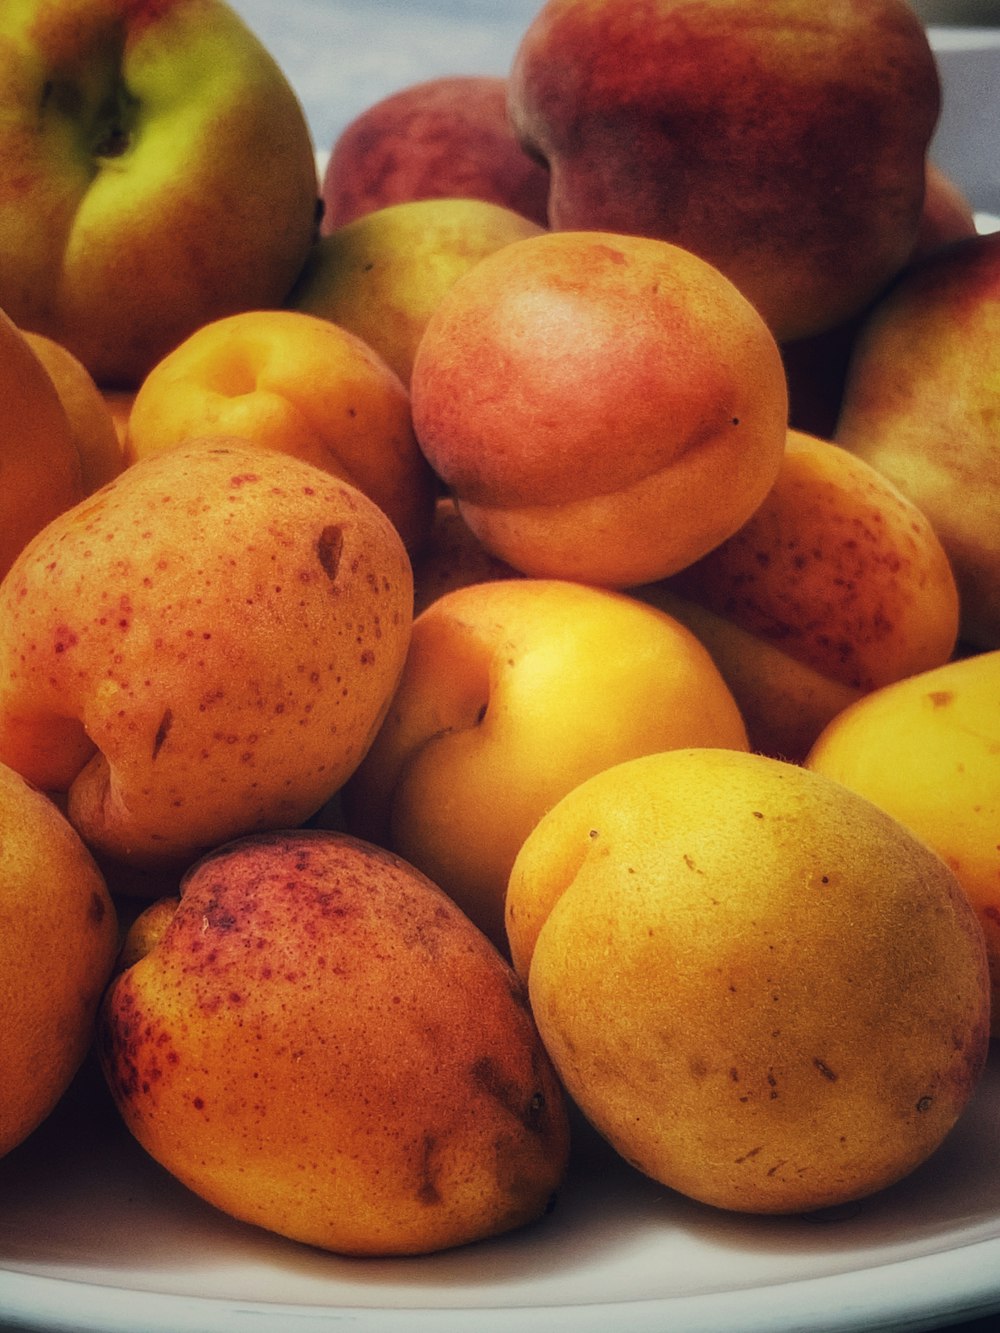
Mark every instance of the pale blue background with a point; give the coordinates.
(340, 57)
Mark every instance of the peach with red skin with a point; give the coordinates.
(315, 1040)
(604, 408)
(781, 142)
(443, 138)
(201, 649)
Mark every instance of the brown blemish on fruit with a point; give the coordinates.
(64, 638)
(329, 548)
(824, 1069)
(489, 1078)
(96, 909)
(427, 1191)
(162, 731)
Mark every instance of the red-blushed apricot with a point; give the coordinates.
(317, 1041)
(605, 408)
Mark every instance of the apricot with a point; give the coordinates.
(91, 420)
(57, 949)
(203, 648)
(604, 408)
(927, 750)
(513, 692)
(318, 1042)
(764, 991)
(837, 584)
(40, 472)
(298, 384)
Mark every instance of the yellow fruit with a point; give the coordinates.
(927, 750)
(764, 991)
(513, 692)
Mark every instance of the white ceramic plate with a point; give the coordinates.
(94, 1235)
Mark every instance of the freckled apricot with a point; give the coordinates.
(202, 649)
(316, 1040)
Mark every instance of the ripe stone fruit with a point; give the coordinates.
(382, 275)
(318, 1042)
(156, 172)
(764, 991)
(782, 141)
(40, 472)
(836, 585)
(444, 138)
(605, 408)
(513, 692)
(921, 403)
(203, 648)
(91, 420)
(58, 940)
(927, 750)
(298, 384)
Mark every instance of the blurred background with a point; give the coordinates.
(340, 57)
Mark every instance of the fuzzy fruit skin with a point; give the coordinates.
(513, 692)
(57, 949)
(40, 472)
(444, 138)
(927, 750)
(605, 408)
(383, 275)
(300, 385)
(781, 142)
(920, 405)
(156, 171)
(836, 585)
(203, 648)
(320, 1043)
(764, 991)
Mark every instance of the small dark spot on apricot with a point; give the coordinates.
(162, 731)
(329, 549)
